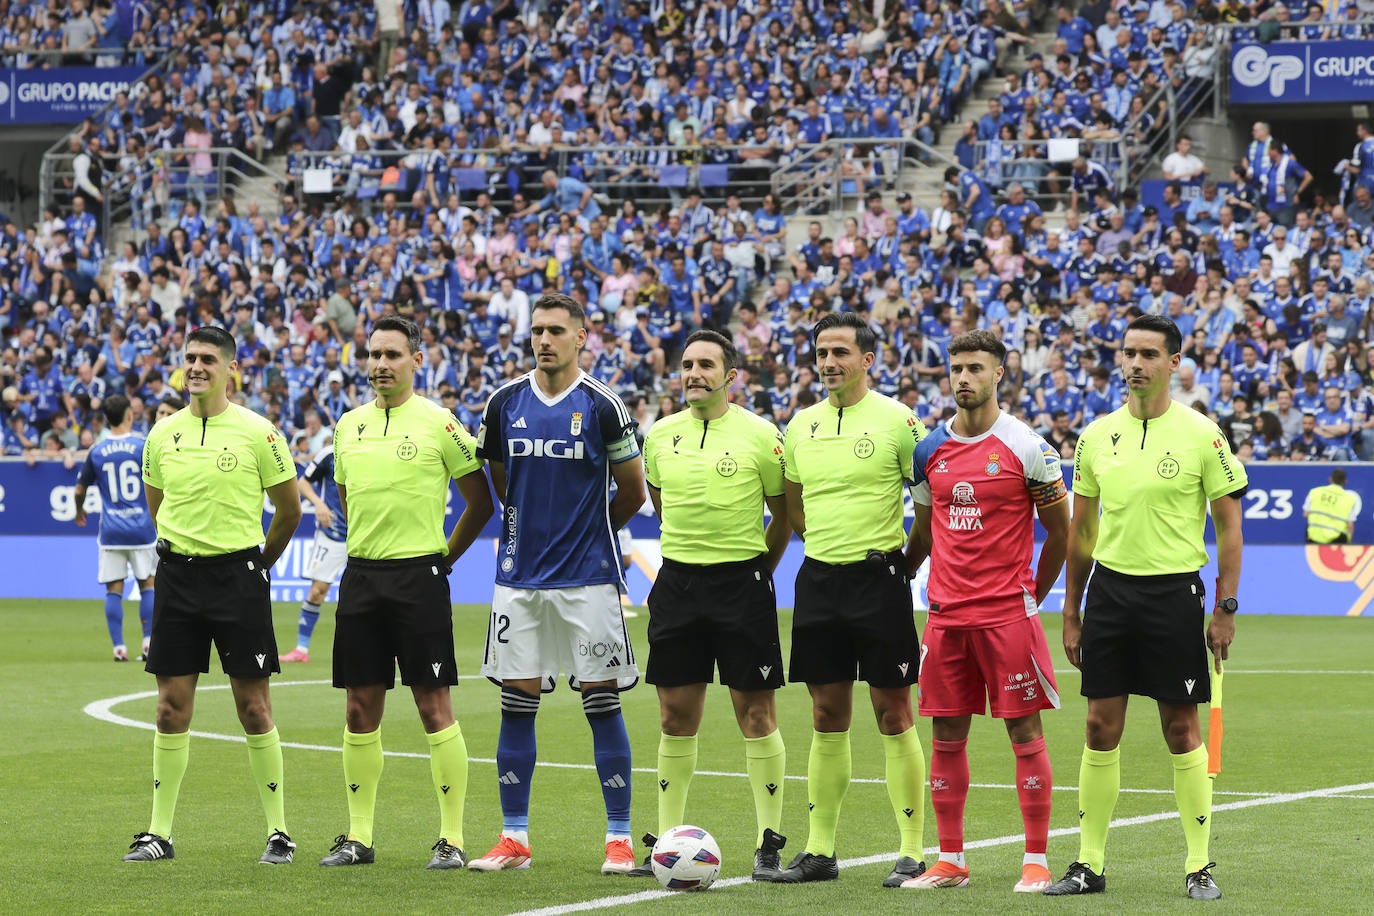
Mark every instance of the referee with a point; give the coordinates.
(204, 471)
(1143, 478)
(393, 459)
(711, 469)
(848, 460)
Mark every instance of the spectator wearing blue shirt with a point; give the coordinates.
(1361, 163)
(1086, 179)
(1061, 396)
(1334, 425)
(1072, 28)
(1104, 333)
(1017, 209)
(974, 196)
(1103, 394)
(565, 195)
(278, 107)
(1308, 445)
(1204, 211)
(42, 389)
(1309, 400)
(1282, 182)
(1243, 259)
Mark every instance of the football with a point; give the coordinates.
(686, 858)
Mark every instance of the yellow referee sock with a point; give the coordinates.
(827, 782)
(170, 755)
(677, 762)
(1099, 784)
(362, 764)
(448, 765)
(906, 777)
(264, 754)
(1193, 791)
(765, 760)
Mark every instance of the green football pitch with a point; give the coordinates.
(1294, 805)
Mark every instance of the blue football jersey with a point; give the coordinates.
(557, 453)
(320, 473)
(115, 468)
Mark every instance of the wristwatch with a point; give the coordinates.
(1228, 605)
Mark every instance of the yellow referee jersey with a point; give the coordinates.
(212, 472)
(1154, 479)
(713, 476)
(852, 463)
(395, 466)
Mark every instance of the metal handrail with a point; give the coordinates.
(1178, 111)
(1227, 32)
(49, 189)
(1112, 153)
(805, 177)
(95, 53)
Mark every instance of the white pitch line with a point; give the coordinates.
(645, 896)
(1298, 671)
(102, 710)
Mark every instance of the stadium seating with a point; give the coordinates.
(415, 184)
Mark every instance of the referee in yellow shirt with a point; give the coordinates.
(848, 462)
(1143, 478)
(711, 469)
(205, 469)
(393, 459)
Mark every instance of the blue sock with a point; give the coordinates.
(611, 747)
(515, 755)
(114, 617)
(145, 611)
(310, 615)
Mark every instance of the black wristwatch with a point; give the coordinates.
(1228, 605)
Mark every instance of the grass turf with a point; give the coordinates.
(76, 789)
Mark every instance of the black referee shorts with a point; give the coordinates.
(855, 620)
(1145, 635)
(224, 599)
(726, 614)
(390, 612)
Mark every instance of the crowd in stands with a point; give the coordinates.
(1269, 280)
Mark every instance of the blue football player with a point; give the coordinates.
(328, 553)
(555, 440)
(127, 539)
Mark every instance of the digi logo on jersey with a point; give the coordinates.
(547, 448)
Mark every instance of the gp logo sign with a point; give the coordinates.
(1254, 66)
(1292, 72)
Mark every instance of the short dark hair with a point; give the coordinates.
(219, 338)
(410, 329)
(1338, 477)
(561, 301)
(979, 341)
(1173, 337)
(863, 334)
(727, 348)
(115, 407)
(171, 400)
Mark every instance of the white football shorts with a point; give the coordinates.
(580, 631)
(327, 559)
(115, 563)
